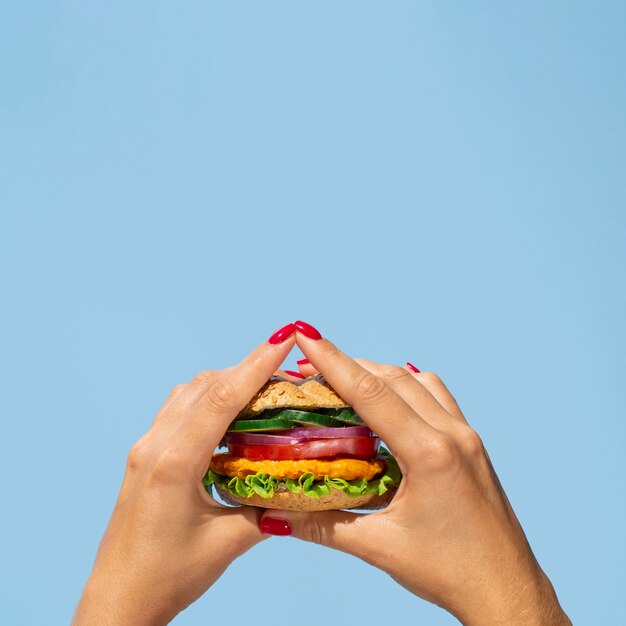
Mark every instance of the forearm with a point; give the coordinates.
(526, 602)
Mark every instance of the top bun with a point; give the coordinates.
(307, 394)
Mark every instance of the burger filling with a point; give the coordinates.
(304, 452)
(350, 469)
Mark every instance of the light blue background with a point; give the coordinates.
(435, 181)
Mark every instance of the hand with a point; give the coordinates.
(450, 535)
(168, 540)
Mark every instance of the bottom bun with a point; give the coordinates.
(289, 501)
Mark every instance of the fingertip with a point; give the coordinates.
(275, 522)
(285, 344)
(307, 330)
(294, 374)
(282, 334)
(313, 348)
(269, 356)
(307, 370)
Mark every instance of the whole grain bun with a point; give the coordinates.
(310, 393)
(289, 501)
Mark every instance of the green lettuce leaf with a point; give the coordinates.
(261, 484)
(265, 486)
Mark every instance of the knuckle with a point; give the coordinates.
(138, 455)
(442, 452)
(175, 392)
(394, 373)
(204, 378)
(369, 387)
(222, 395)
(165, 466)
(430, 377)
(470, 442)
(314, 532)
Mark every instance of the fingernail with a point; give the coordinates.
(412, 367)
(307, 330)
(303, 362)
(275, 526)
(292, 373)
(282, 333)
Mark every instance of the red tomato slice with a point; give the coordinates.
(346, 447)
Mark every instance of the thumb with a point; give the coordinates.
(340, 530)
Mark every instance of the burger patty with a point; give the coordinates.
(348, 469)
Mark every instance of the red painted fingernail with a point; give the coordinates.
(292, 373)
(275, 526)
(307, 330)
(412, 367)
(282, 333)
(303, 362)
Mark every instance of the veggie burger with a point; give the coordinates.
(298, 446)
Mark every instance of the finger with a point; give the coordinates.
(340, 530)
(416, 395)
(243, 526)
(382, 409)
(437, 388)
(289, 374)
(235, 530)
(306, 369)
(218, 397)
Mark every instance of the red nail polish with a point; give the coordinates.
(292, 373)
(307, 330)
(275, 526)
(412, 367)
(282, 333)
(303, 362)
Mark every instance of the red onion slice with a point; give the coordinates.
(261, 438)
(315, 432)
(296, 435)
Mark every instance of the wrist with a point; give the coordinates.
(526, 601)
(108, 601)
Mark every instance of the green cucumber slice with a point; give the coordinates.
(348, 416)
(308, 419)
(244, 426)
(287, 418)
